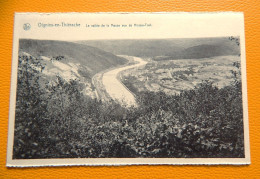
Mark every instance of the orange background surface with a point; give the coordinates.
(251, 9)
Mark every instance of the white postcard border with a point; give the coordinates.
(19, 33)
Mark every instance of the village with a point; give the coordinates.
(174, 76)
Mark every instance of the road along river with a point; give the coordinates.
(114, 87)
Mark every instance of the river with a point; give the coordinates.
(114, 87)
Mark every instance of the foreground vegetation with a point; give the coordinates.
(55, 120)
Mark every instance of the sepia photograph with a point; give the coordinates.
(119, 99)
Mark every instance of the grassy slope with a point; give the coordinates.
(95, 59)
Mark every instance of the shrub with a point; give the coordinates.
(55, 120)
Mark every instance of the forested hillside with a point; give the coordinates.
(58, 121)
(94, 59)
(54, 118)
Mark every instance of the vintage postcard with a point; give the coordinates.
(128, 89)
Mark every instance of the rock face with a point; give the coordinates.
(68, 60)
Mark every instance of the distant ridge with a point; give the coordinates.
(205, 51)
(161, 49)
(94, 59)
(202, 51)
